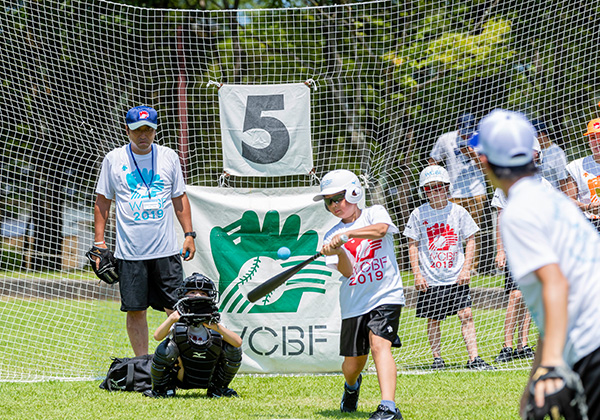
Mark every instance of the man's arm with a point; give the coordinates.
(183, 212)
(555, 289)
(101, 211)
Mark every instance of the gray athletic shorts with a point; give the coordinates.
(150, 283)
(438, 302)
(383, 321)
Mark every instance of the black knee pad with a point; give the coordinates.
(162, 372)
(228, 365)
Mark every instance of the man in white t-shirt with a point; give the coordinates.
(583, 181)
(554, 256)
(371, 293)
(146, 183)
(468, 188)
(517, 319)
(441, 267)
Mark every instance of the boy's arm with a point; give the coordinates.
(413, 256)
(500, 254)
(344, 264)
(163, 329)
(464, 277)
(228, 335)
(374, 231)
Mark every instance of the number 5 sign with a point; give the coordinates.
(266, 129)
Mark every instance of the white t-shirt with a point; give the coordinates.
(586, 174)
(541, 227)
(466, 178)
(553, 164)
(145, 227)
(499, 198)
(375, 280)
(440, 234)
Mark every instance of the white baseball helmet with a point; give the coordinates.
(338, 181)
(433, 173)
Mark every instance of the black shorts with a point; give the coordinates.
(509, 282)
(150, 283)
(438, 302)
(588, 369)
(383, 321)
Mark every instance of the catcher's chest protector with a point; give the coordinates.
(199, 360)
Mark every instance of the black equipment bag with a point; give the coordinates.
(129, 374)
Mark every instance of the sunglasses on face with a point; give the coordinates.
(434, 187)
(335, 199)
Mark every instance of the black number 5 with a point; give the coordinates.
(280, 137)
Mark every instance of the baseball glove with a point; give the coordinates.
(198, 310)
(568, 401)
(107, 269)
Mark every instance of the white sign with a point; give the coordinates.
(265, 129)
(296, 328)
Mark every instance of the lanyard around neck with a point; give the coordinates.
(140, 172)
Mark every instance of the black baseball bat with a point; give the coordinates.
(277, 280)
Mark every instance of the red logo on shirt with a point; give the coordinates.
(441, 237)
(363, 249)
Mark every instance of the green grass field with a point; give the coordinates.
(443, 395)
(37, 330)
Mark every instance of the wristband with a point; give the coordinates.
(100, 243)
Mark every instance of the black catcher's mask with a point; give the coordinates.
(196, 310)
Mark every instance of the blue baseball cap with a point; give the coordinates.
(141, 115)
(466, 124)
(506, 138)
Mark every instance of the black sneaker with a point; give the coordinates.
(524, 353)
(384, 413)
(506, 355)
(438, 363)
(221, 392)
(350, 397)
(479, 364)
(169, 393)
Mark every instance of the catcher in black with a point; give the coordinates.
(198, 351)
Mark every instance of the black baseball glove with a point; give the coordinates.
(568, 401)
(107, 269)
(198, 310)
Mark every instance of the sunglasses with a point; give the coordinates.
(335, 199)
(434, 187)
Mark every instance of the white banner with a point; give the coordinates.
(265, 129)
(239, 233)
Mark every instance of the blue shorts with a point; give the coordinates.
(150, 283)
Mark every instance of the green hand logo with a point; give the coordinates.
(242, 251)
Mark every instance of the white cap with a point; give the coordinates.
(338, 181)
(433, 173)
(506, 138)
